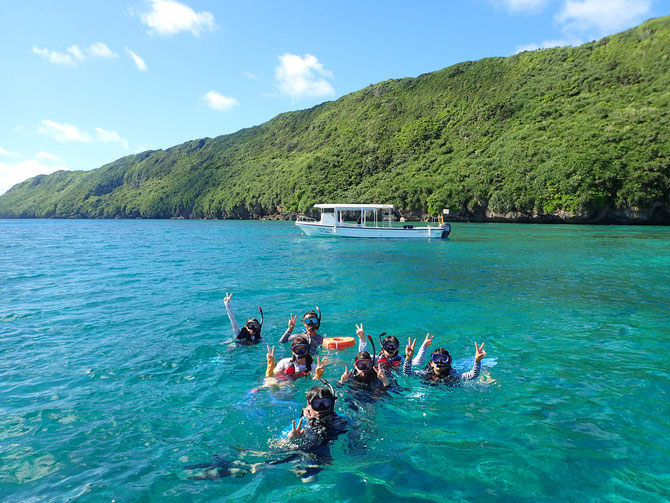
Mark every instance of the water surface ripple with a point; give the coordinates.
(116, 371)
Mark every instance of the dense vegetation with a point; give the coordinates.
(573, 134)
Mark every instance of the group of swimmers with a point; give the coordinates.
(319, 424)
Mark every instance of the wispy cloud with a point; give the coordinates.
(517, 6)
(168, 17)
(249, 75)
(139, 62)
(67, 133)
(7, 152)
(603, 16)
(68, 58)
(302, 77)
(74, 54)
(219, 102)
(48, 157)
(110, 136)
(546, 44)
(100, 50)
(63, 133)
(11, 174)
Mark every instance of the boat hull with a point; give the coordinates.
(351, 231)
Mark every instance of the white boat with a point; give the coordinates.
(374, 221)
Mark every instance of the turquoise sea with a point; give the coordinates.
(116, 369)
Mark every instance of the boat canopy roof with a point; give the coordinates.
(354, 207)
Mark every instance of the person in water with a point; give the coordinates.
(439, 368)
(322, 426)
(250, 333)
(312, 321)
(365, 373)
(389, 358)
(300, 364)
(307, 443)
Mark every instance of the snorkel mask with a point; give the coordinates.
(440, 359)
(254, 326)
(322, 398)
(364, 363)
(312, 319)
(389, 344)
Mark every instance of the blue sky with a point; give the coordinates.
(87, 82)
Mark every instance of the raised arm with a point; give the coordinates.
(474, 373)
(291, 325)
(409, 352)
(418, 359)
(231, 315)
(362, 340)
(270, 370)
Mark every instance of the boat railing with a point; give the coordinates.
(305, 219)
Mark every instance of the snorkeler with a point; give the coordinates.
(439, 368)
(307, 443)
(389, 358)
(312, 321)
(365, 373)
(300, 363)
(250, 333)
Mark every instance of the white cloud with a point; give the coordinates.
(605, 16)
(141, 65)
(546, 44)
(48, 157)
(7, 152)
(219, 102)
(11, 174)
(302, 77)
(168, 17)
(105, 136)
(68, 58)
(100, 50)
(63, 133)
(74, 54)
(522, 5)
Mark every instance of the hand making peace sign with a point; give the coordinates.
(226, 299)
(296, 432)
(409, 350)
(479, 352)
(360, 332)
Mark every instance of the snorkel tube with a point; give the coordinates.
(374, 350)
(259, 308)
(318, 312)
(332, 392)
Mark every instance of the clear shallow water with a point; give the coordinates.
(115, 374)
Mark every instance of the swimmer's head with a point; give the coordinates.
(363, 363)
(253, 326)
(390, 346)
(440, 361)
(321, 400)
(312, 320)
(300, 347)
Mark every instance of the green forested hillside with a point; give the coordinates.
(573, 134)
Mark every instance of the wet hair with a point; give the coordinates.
(309, 314)
(319, 392)
(363, 355)
(391, 338)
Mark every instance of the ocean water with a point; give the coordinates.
(116, 370)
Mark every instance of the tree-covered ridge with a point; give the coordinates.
(579, 134)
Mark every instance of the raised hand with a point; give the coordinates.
(345, 376)
(320, 367)
(360, 332)
(226, 299)
(409, 350)
(270, 371)
(291, 321)
(428, 341)
(479, 352)
(381, 374)
(296, 431)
